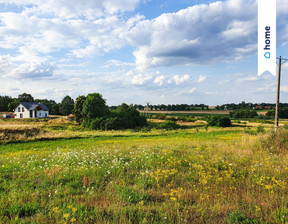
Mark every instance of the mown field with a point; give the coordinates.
(54, 172)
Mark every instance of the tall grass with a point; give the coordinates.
(183, 176)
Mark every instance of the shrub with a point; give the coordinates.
(168, 125)
(224, 122)
(283, 113)
(218, 121)
(244, 114)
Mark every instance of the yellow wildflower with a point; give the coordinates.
(65, 216)
(74, 209)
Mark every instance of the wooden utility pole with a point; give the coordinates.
(278, 96)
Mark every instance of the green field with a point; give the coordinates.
(191, 175)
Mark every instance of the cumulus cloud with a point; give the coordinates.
(179, 80)
(201, 78)
(32, 71)
(200, 34)
(141, 79)
(76, 29)
(5, 63)
(74, 8)
(159, 80)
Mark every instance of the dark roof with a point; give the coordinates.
(33, 106)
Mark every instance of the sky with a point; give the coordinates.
(138, 51)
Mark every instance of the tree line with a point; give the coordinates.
(65, 107)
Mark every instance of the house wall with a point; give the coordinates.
(25, 114)
(42, 113)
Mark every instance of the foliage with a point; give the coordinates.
(239, 217)
(4, 102)
(94, 106)
(283, 113)
(159, 116)
(275, 142)
(78, 108)
(244, 114)
(218, 121)
(66, 105)
(48, 103)
(25, 97)
(168, 125)
(55, 109)
(123, 117)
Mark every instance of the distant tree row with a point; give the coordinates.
(253, 106)
(174, 107)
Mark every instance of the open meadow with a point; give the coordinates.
(53, 171)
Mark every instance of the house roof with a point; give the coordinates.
(33, 106)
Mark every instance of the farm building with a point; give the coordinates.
(31, 110)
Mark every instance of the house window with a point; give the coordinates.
(21, 115)
(39, 114)
(22, 109)
(18, 109)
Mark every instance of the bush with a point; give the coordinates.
(224, 122)
(244, 114)
(283, 113)
(218, 121)
(168, 125)
(125, 117)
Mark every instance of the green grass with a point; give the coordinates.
(214, 175)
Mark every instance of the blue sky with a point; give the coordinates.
(137, 51)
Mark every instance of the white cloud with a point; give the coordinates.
(141, 79)
(192, 90)
(179, 80)
(117, 63)
(32, 71)
(223, 30)
(74, 8)
(159, 80)
(201, 78)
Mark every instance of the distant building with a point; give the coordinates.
(31, 110)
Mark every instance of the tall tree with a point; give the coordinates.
(25, 97)
(4, 102)
(94, 106)
(78, 107)
(66, 105)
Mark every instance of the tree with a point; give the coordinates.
(12, 105)
(55, 109)
(66, 105)
(78, 107)
(25, 97)
(218, 121)
(46, 102)
(4, 102)
(94, 106)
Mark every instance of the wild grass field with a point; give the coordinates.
(63, 174)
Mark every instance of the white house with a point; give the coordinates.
(31, 110)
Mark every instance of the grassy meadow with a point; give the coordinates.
(52, 171)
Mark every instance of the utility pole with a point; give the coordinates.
(148, 110)
(278, 96)
(278, 93)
